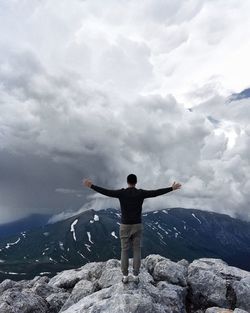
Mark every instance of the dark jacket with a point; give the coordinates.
(131, 200)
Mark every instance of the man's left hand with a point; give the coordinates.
(87, 182)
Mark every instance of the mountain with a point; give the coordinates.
(94, 236)
(241, 95)
(24, 224)
(206, 285)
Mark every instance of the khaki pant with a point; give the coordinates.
(131, 233)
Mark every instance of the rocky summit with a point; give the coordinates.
(206, 285)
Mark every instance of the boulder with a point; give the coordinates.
(211, 283)
(242, 291)
(172, 296)
(147, 296)
(22, 302)
(56, 301)
(222, 310)
(44, 290)
(110, 277)
(67, 279)
(150, 261)
(171, 272)
(82, 289)
(218, 310)
(6, 284)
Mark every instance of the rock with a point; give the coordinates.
(222, 310)
(22, 302)
(56, 301)
(4, 307)
(126, 298)
(218, 310)
(6, 284)
(159, 297)
(207, 288)
(117, 298)
(113, 263)
(94, 269)
(146, 278)
(183, 262)
(150, 261)
(226, 271)
(110, 277)
(82, 289)
(242, 290)
(67, 279)
(240, 311)
(203, 286)
(36, 280)
(211, 283)
(30, 283)
(172, 296)
(170, 271)
(44, 290)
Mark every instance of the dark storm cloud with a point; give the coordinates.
(54, 133)
(28, 183)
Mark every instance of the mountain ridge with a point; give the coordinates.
(94, 236)
(27, 223)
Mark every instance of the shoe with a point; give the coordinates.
(125, 279)
(135, 278)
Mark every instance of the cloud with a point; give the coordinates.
(136, 47)
(104, 92)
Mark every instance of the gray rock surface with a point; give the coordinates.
(203, 286)
(22, 302)
(221, 310)
(242, 291)
(171, 272)
(211, 283)
(56, 301)
(82, 289)
(240, 311)
(218, 310)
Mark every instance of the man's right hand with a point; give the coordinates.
(176, 185)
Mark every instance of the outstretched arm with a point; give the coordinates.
(156, 192)
(104, 191)
(161, 191)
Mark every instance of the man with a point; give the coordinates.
(131, 227)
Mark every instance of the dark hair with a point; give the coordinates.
(131, 179)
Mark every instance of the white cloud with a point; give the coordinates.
(102, 92)
(136, 47)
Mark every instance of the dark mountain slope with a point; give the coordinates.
(94, 236)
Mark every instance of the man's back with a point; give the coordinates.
(131, 200)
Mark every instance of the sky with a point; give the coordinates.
(143, 87)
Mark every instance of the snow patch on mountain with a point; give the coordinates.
(87, 246)
(113, 234)
(61, 245)
(72, 228)
(89, 236)
(196, 217)
(9, 244)
(95, 219)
